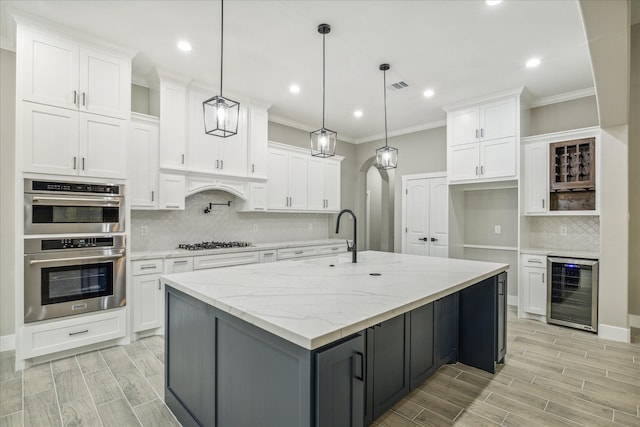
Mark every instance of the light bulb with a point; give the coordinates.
(221, 111)
(386, 156)
(323, 140)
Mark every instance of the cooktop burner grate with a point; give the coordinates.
(213, 245)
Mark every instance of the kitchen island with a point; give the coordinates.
(324, 341)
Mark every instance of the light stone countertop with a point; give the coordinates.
(561, 253)
(312, 304)
(178, 253)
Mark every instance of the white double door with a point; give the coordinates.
(426, 210)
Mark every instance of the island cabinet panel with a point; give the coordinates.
(340, 384)
(446, 312)
(422, 362)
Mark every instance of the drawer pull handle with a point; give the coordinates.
(535, 261)
(78, 333)
(334, 249)
(298, 252)
(147, 267)
(184, 261)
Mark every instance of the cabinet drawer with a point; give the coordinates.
(147, 266)
(179, 265)
(292, 253)
(225, 260)
(72, 333)
(332, 249)
(534, 261)
(268, 256)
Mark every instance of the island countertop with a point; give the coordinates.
(318, 301)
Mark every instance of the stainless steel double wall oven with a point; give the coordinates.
(73, 261)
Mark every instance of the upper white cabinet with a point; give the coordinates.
(536, 188)
(212, 154)
(323, 186)
(143, 162)
(60, 141)
(57, 71)
(258, 142)
(482, 141)
(168, 100)
(172, 188)
(287, 186)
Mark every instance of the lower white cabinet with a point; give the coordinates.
(178, 265)
(268, 256)
(225, 260)
(534, 284)
(148, 295)
(73, 332)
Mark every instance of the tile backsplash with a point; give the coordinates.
(583, 233)
(166, 229)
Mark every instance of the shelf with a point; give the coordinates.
(490, 247)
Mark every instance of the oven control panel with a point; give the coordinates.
(78, 243)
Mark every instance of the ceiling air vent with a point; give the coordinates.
(398, 85)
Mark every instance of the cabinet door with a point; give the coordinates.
(438, 217)
(332, 185)
(340, 385)
(49, 67)
(446, 330)
(422, 345)
(278, 190)
(298, 181)
(498, 158)
(204, 150)
(50, 139)
(233, 154)
(103, 146)
(105, 84)
(173, 115)
(315, 187)
(258, 140)
(172, 191)
(535, 178)
(148, 308)
(535, 290)
(390, 363)
(463, 162)
(498, 119)
(464, 126)
(143, 165)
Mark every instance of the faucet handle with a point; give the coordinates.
(349, 246)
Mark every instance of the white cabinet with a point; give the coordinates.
(268, 256)
(287, 186)
(170, 98)
(61, 141)
(143, 162)
(212, 154)
(257, 198)
(258, 142)
(61, 72)
(534, 285)
(172, 190)
(148, 295)
(482, 141)
(536, 189)
(323, 186)
(225, 260)
(178, 265)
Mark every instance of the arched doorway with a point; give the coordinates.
(378, 207)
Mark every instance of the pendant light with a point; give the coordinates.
(323, 140)
(221, 114)
(386, 157)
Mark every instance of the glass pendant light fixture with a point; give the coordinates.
(221, 114)
(323, 140)
(386, 157)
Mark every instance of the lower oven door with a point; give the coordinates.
(73, 282)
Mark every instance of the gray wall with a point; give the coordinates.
(575, 114)
(485, 209)
(634, 176)
(7, 180)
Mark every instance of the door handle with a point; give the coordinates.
(221, 164)
(433, 239)
(217, 164)
(83, 258)
(358, 366)
(424, 239)
(84, 99)
(476, 133)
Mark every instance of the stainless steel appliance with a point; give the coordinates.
(74, 275)
(572, 292)
(54, 207)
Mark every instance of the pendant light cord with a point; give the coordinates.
(323, 78)
(384, 79)
(221, 42)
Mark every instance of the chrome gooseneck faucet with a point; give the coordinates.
(351, 248)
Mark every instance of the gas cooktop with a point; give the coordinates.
(213, 245)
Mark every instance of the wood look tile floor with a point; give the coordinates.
(553, 376)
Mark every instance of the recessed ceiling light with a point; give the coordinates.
(184, 46)
(428, 93)
(294, 88)
(493, 2)
(357, 113)
(533, 62)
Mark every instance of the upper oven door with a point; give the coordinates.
(53, 214)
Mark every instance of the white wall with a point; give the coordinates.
(7, 180)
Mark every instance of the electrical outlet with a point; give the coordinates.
(255, 227)
(563, 230)
(144, 230)
(497, 229)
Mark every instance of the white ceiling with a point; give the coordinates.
(460, 49)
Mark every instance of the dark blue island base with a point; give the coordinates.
(222, 371)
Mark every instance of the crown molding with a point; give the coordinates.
(405, 131)
(284, 121)
(563, 97)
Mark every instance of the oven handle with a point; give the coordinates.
(71, 200)
(80, 258)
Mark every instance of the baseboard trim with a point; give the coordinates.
(512, 300)
(614, 333)
(634, 321)
(7, 342)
